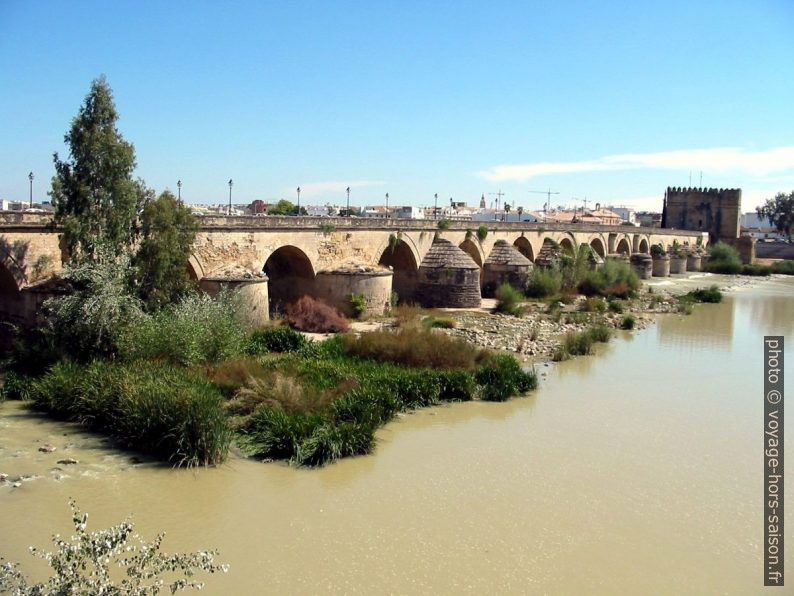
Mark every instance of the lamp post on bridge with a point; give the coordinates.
(298, 190)
(388, 215)
(348, 201)
(435, 206)
(30, 177)
(231, 183)
(179, 190)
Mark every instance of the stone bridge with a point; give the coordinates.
(330, 258)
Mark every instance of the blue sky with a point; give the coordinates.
(612, 101)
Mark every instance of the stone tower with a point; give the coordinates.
(712, 210)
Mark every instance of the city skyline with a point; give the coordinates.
(609, 103)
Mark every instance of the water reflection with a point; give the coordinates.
(773, 314)
(712, 326)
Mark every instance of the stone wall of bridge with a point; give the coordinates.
(292, 251)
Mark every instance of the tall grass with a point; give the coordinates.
(416, 347)
(198, 329)
(508, 300)
(172, 413)
(501, 377)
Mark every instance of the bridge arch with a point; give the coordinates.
(194, 268)
(404, 262)
(11, 301)
(291, 275)
(568, 246)
(473, 250)
(597, 244)
(524, 247)
(643, 246)
(623, 246)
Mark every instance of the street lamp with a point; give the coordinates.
(30, 177)
(348, 201)
(299, 199)
(179, 190)
(387, 202)
(435, 205)
(230, 195)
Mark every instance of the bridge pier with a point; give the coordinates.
(253, 292)
(336, 288)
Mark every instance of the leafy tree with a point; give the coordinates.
(89, 320)
(169, 230)
(95, 198)
(285, 207)
(779, 211)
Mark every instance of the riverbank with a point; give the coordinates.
(536, 335)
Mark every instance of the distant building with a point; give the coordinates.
(758, 228)
(627, 215)
(408, 212)
(377, 212)
(605, 216)
(649, 219)
(258, 206)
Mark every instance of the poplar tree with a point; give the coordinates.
(95, 197)
(169, 230)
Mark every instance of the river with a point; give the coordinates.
(637, 470)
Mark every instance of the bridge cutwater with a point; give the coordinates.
(274, 260)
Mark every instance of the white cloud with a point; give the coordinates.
(315, 189)
(725, 159)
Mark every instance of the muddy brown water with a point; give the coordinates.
(637, 470)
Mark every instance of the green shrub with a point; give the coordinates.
(482, 233)
(172, 413)
(711, 294)
(628, 322)
(783, 267)
(359, 304)
(616, 306)
(275, 339)
(657, 250)
(543, 283)
(501, 377)
(756, 270)
(444, 224)
(508, 300)
(615, 278)
(724, 259)
(198, 329)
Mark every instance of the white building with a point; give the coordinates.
(627, 214)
